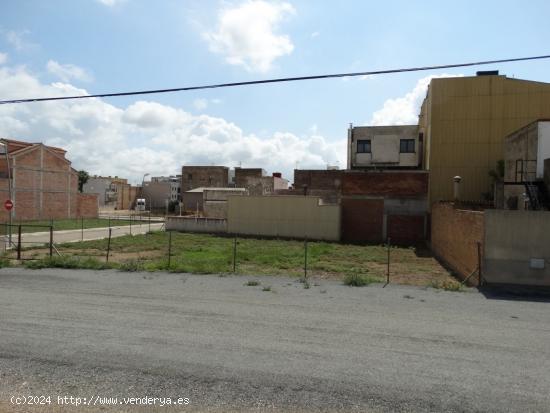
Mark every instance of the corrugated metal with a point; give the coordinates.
(465, 121)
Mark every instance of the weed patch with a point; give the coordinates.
(358, 280)
(447, 285)
(67, 261)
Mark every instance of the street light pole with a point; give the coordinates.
(143, 185)
(5, 145)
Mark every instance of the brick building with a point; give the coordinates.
(257, 182)
(375, 205)
(41, 183)
(204, 176)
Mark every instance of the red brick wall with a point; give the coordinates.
(405, 229)
(87, 206)
(386, 184)
(362, 220)
(44, 186)
(318, 179)
(454, 237)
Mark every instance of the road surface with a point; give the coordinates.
(230, 347)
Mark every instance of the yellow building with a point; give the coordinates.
(463, 123)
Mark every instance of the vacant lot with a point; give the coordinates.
(67, 224)
(197, 253)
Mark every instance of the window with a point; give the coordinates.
(190, 177)
(406, 146)
(363, 146)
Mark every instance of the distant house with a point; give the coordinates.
(257, 182)
(162, 190)
(112, 192)
(204, 176)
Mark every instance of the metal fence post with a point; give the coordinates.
(131, 224)
(305, 258)
(82, 228)
(388, 272)
(235, 253)
(169, 247)
(109, 244)
(149, 221)
(480, 276)
(19, 242)
(51, 241)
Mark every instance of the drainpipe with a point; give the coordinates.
(456, 188)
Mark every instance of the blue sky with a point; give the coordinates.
(62, 47)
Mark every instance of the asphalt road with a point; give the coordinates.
(231, 347)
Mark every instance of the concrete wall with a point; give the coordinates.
(512, 240)
(192, 201)
(188, 224)
(454, 237)
(98, 186)
(521, 145)
(385, 146)
(283, 216)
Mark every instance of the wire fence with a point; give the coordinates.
(23, 237)
(158, 249)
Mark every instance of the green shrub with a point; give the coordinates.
(252, 283)
(131, 266)
(358, 280)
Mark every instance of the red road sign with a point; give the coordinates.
(8, 204)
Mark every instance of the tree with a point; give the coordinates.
(82, 179)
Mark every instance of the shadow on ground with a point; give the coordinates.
(512, 292)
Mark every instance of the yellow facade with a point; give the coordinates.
(287, 216)
(465, 120)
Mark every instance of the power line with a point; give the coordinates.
(276, 80)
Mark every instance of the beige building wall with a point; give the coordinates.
(464, 122)
(385, 146)
(283, 216)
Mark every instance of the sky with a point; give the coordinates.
(66, 47)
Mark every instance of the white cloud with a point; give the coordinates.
(68, 72)
(147, 136)
(3, 58)
(404, 110)
(111, 3)
(18, 41)
(200, 104)
(314, 35)
(246, 34)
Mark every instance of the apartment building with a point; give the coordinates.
(383, 147)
